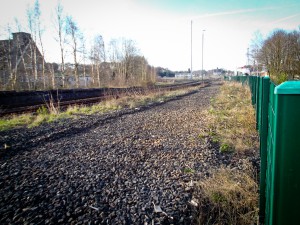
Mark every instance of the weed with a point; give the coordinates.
(226, 148)
(42, 111)
(202, 135)
(215, 140)
(188, 170)
(53, 105)
(280, 77)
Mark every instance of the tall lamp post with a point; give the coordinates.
(202, 53)
(191, 50)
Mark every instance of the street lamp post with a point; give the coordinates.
(202, 53)
(191, 49)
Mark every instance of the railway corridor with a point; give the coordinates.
(108, 169)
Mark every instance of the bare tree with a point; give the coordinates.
(122, 53)
(40, 30)
(256, 45)
(32, 24)
(153, 73)
(115, 59)
(128, 66)
(83, 54)
(98, 56)
(36, 31)
(293, 55)
(73, 30)
(20, 49)
(129, 52)
(139, 73)
(280, 54)
(9, 75)
(59, 24)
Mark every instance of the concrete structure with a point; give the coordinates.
(19, 52)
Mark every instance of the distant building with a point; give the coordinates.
(182, 75)
(218, 72)
(162, 72)
(255, 70)
(259, 70)
(244, 70)
(18, 53)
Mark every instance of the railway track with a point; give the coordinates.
(12, 102)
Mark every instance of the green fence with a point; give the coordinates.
(278, 122)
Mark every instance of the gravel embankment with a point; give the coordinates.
(108, 169)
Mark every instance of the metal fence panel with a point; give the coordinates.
(278, 122)
(270, 156)
(263, 134)
(286, 155)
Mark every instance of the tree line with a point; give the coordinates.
(93, 64)
(279, 54)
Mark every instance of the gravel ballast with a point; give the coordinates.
(119, 168)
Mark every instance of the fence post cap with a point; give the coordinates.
(288, 87)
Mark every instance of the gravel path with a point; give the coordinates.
(108, 169)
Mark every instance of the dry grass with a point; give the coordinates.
(231, 119)
(128, 101)
(228, 197)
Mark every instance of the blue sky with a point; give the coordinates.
(161, 28)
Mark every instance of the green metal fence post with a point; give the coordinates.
(258, 101)
(252, 85)
(263, 134)
(270, 153)
(283, 198)
(254, 89)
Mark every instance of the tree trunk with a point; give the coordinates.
(93, 74)
(35, 65)
(43, 60)
(62, 67)
(98, 74)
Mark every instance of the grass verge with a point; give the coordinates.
(49, 114)
(231, 119)
(230, 196)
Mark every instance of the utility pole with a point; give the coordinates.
(248, 56)
(191, 49)
(202, 53)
